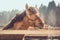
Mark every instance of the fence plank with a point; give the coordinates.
(36, 32)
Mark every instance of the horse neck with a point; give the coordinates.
(25, 24)
(22, 25)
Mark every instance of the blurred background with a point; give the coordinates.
(49, 10)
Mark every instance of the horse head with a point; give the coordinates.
(34, 18)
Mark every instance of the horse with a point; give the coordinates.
(29, 17)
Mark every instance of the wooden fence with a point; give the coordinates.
(18, 34)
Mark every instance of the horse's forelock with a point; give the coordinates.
(32, 10)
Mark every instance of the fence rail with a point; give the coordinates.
(42, 32)
(29, 34)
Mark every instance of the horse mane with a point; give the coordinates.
(19, 18)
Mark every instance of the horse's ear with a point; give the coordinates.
(26, 6)
(27, 12)
(36, 6)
